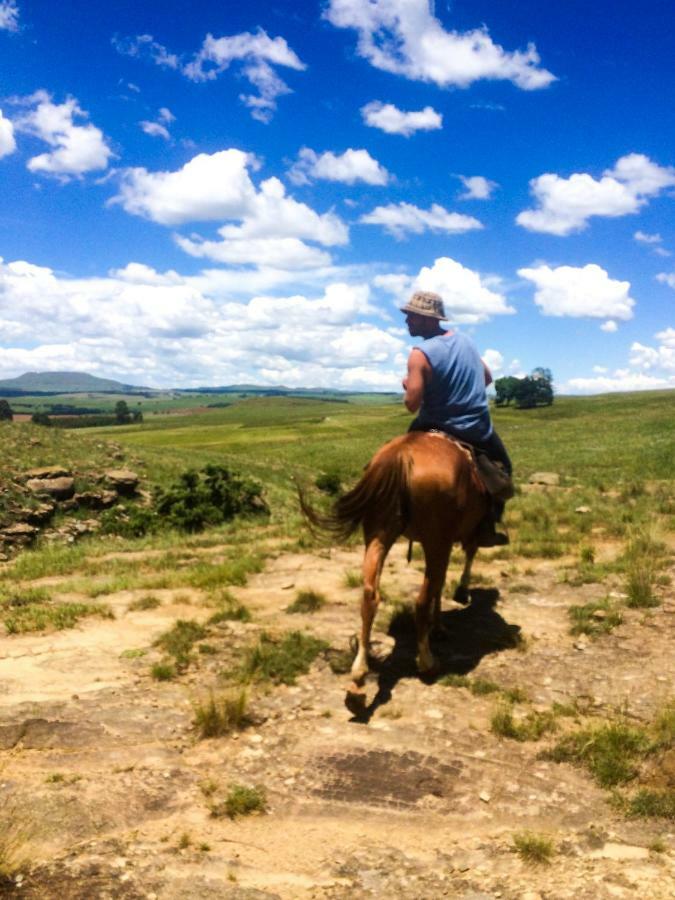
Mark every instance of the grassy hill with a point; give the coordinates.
(62, 383)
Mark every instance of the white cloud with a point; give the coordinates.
(667, 278)
(566, 204)
(661, 358)
(477, 187)
(7, 141)
(9, 15)
(348, 167)
(143, 46)
(609, 326)
(158, 127)
(399, 218)
(77, 148)
(273, 226)
(494, 361)
(259, 53)
(667, 337)
(388, 118)
(585, 291)
(600, 370)
(466, 295)
(643, 238)
(168, 329)
(622, 381)
(403, 37)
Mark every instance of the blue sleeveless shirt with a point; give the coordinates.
(454, 399)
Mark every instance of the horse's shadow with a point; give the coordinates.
(466, 635)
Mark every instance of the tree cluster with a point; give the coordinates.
(533, 390)
(6, 413)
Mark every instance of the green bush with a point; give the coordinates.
(209, 497)
(328, 482)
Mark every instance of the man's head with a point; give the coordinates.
(424, 313)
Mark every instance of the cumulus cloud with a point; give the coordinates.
(273, 226)
(256, 52)
(584, 291)
(620, 381)
(168, 329)
(348, 167)
(7, 141)
(77, 148)
(388, 118)
(399, 218)
(158, 127)
(494, 361)
(609, 326)
(566, 204)
(477, 187)
(469, 297)
(9, 15)
(403, 37)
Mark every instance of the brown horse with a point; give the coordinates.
(423, 486)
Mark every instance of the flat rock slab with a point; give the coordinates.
(48, 472)
(552, 479)
(61, 488)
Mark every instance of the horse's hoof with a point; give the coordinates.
(355, 701)
(461, 595)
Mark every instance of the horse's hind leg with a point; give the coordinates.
(428, 603)
(377, 548)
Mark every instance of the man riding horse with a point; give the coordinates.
(445, 386)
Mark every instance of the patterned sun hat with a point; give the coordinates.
(426, 303)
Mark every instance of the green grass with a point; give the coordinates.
(143, 603)
(481, 687)
(228, 608)
(651, 804)
(281, 660)
(531, 728)
(307, 602)
(241, 800)
(163, 671)
(595, 618)
(533, 848)
(179, 640)
(353, 579)
(220, 715)
(611, 752)
(52, 615)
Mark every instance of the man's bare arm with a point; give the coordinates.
(416, 379)
(488, 374)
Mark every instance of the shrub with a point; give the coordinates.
(533, 848)
(307, 602)
(281, 661)
(328, 482)
(241, 801)
(178, 641)
(609, 751)
(129, 521)
(220, 715)
(209, 497)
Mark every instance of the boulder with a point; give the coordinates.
(96, 499)
(37, 515)
(123, 481)
(552, 479)
(60, 488)
(48, 472)
(19, 533)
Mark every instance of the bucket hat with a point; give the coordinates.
(426, 303)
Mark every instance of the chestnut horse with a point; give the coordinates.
(423, 486)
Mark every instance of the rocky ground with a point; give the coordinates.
(105, 790)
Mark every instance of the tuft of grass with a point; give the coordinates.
(241, 801)
(482, 686)
(307, 602)
(184, 841)
(534, 726)
(179, 640)
(594, 619)
(281, 660)
(609, 751)
(132, 653)
(651, 804)
(533, 848)
(353, 579)
(163, 671)
(228, 609)
(44, 616)
(221, 715)
(147, 602)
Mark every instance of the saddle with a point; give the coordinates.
(491, 474)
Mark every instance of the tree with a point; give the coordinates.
(535, 389)
(40, 418)
(122, 413)
(6, 413)
(505, 389)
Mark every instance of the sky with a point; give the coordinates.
(212, 193)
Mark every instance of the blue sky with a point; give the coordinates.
(213, 193)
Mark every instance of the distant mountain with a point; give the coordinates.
(64, 383)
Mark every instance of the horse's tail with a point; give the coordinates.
(383, 490)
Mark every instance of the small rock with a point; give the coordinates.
(579, 645)
(484, 796)
(599, 614)
(124, 481)
(620, 851)
(582, 509)
(433, 714)
(552, 479)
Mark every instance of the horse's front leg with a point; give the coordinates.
(461, 594)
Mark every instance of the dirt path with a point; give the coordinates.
(106, 791)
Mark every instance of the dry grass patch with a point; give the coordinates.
(307, 602)
(220, 715)
(533, 848)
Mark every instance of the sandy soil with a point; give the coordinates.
(105, 790)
